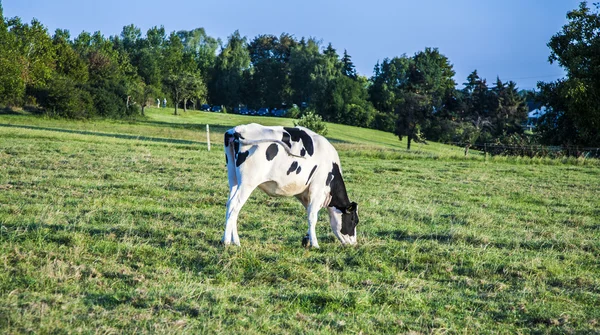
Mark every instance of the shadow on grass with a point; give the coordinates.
(8, 111)
(106, 301)
(113, 135)
(400, 235)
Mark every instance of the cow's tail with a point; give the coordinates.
(230, 154)
(287, 149)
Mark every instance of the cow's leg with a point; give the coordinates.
(304, 199)
(313, 214)
(235, 203)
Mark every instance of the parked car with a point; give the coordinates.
(263, 111)
(252, 112)
(216, 109)
(244, 111)
(205, 107)
(280, 112)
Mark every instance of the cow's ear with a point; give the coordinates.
(351, 208)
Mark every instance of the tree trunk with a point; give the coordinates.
(185, 105)
(467, 150)
(143, 107)
(176, 103)
(408, 139)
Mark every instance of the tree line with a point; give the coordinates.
(414, 96)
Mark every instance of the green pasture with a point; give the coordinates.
(114, 227)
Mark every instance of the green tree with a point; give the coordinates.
(194, 88)
(304, 59)
(510, 110)
(431, 74)
(227, 86)
(203, 48)
(108, 82)
(270, 79)
(390, 79)
(68, 62)
(348, 68)
(183, 87)
(573, 115)
(37, 54)
(412, 112)
(12, 85)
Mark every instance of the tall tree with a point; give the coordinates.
(510, 110)
(227, 86)
(270, 58)
(12, 85)
(413, 110)
(68, 62)
(348, 68)
(304, 59)
(37, 54)
(576, 48)
(203, 48)
(431, 74)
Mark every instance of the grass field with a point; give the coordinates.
(114, 227)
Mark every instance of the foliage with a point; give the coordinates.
(412, 112)
(276, 71)
(312, 121)
(231, 66)
(12, 85)
(293, 112)
(573, 111)
(64, 97)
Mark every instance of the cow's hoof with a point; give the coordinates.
(305, 241)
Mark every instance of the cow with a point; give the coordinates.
(286, 161)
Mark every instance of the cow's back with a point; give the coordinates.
(278, 171)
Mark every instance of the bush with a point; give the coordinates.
(110, 100)
(293, 112)
(313, 122)
(62, 97)
(384, 121)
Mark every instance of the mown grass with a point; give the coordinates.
(112, 234)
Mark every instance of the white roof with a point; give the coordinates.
(537, 112)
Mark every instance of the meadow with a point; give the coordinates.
(114, 227)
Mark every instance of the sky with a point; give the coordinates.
(506, 39)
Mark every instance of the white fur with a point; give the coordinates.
(272, 177)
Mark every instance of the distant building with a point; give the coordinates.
(534, 116)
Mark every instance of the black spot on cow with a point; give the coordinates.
(293, 167)
(228, 137)
(298, 170)
(236, 146)
(241, 158)
(286, 139)
(236, 142)
(310, 175)
(272, 151)
(329, 178)
(299, 134)
(302, 152)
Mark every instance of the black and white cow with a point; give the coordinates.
(284, 161)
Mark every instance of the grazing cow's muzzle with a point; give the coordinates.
(343, 223)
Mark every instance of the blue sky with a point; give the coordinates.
(498, 38)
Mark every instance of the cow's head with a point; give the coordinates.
(343, 222)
